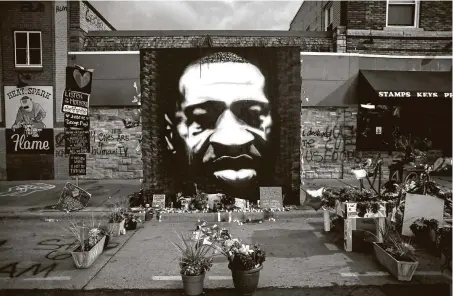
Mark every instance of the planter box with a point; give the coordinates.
(115, 228)
(85, 259)
(402, 270)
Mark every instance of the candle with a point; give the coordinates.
(218, 216)
(229, 217)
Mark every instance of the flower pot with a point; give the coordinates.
(246, 281)
(115, 228)
(130, 225)
(193, 284)
(86, 258)
(402, 270)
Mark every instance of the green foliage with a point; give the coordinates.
(242, 256)
(194, 258)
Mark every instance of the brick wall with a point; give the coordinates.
(436, 15)
(328, 136)
(308, 41)
(398, 42)
(84, 18)
(114, 148)
(16, 16)
(61, 54)
(309, 15)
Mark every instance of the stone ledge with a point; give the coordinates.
(399, 33)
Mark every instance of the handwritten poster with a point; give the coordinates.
(73, 198)
(76, 97)
(77, 121)
(77, 165)
(77, 141)
(29, 120)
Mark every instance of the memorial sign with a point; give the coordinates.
(77, 141)
(73, 198)
(77, 165)
(159, 200)
(77, 121)
(271, 197)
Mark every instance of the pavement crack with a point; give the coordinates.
(100, 269)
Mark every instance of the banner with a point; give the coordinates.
(29, 120)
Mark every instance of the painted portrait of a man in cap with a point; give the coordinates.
(29, 114)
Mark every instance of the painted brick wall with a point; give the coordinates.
(328, 136)
(61, 56)
(16, 17)
(82, 20)
(114, 149)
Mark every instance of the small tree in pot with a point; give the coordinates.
(194, 263)
(245, 263)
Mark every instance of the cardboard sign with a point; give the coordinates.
(159, 200)
(271, 197)
(240, 203)
(76, 96)
(73, 198)
(421, 206)
(214, 200)
(77, 165)
(77, 141)
(351, 209)
(77, 121)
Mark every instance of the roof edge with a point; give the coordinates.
(87, 3)
(232, 33)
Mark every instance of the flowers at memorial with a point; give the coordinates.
(242, 256)
(195, 258)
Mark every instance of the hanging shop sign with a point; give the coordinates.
(414, 94)
(29, 120)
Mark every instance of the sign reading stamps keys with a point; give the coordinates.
(77, 164)
(271, 197)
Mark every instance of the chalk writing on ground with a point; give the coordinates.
(26, 189)
(16, 269)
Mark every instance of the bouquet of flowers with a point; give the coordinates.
(242, 256)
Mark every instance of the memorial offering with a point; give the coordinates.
(73, 198)
(77, 141)
(76, 121)
(76, 96)
(271, 197)
(77, 164)
(159, 201)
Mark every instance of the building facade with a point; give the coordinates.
(35, 37)
(390, 39)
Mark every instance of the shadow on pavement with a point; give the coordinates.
(385, 290)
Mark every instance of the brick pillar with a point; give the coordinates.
(340, 39)
(150, 124)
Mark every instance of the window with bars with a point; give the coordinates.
(402, 13)
(28, 48)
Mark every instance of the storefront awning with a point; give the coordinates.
(389, 87)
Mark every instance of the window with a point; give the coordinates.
(328, 17)
(402, 13)
(28, 49)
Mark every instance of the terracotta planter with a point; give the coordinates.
(85, 259)
(115, 228)
(246, 281)
(193, 284)
(402, 270)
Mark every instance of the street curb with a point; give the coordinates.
(362, 290)
(164, 217)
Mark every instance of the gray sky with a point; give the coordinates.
(198, 15)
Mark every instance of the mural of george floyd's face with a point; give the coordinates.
(224, 119)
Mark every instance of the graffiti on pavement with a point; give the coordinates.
(3, 249)
(56, 248)
(14, 271)
(26, 189)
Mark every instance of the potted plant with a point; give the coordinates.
(91, 241)
(245, 263)
(194, 263)
(395, 254)
(116, 221)
(131, 221)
